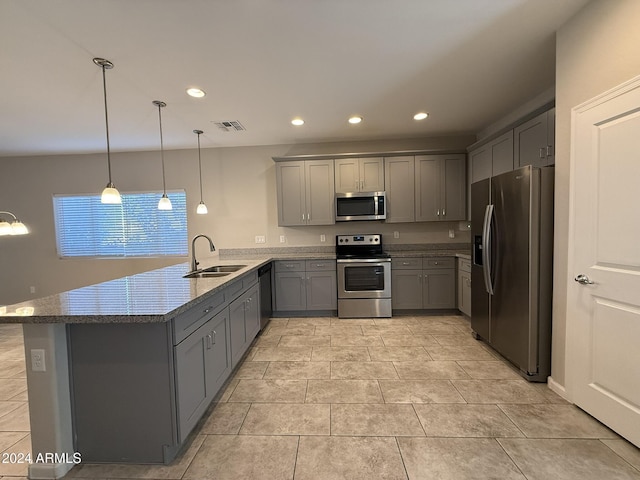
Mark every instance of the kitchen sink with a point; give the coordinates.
(223, 268)
(203, 274)
(215, 271)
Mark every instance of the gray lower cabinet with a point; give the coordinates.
(138, 389)
(423, 283)
(203, 362)
(244, 316)
(309, 285)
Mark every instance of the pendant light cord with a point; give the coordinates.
(200, 165)
(106, 120)
(164, 186)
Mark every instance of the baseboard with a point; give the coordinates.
(557, 388)
(49, 471)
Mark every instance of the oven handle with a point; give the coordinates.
(380, 261)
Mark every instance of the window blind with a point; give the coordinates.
(136, 228)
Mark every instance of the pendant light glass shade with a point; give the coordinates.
(202, 208)
(16, 227)
(164, 203)
(110, 194)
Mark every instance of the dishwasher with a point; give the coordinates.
(266, 308)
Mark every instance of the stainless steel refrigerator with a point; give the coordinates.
(511, 273)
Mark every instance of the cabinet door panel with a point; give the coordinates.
(530, 141)
(193, 383)
(219, 360)
(290, 179)
(428, 188)
(502, 159)
(399, 175)
(371, 174)
(320, 192)
(290, 292)
(439, 289)
(347, 175)
(322, 290)
(454, 189)
(481, 163)
(252, 315)
(406, 289)
(237, 329)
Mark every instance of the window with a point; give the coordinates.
(136, 228)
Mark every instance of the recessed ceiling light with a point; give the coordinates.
(355, 119)
(195, 92)
(297, 121)
(420, 116)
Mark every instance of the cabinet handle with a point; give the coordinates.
(209, 340)
(207, 310)
(443, 213)
(406, 263)
(214, 337)
(549, 150)
(543, 152)
(438, 213)
(435, 263)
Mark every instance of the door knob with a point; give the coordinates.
(583, 279)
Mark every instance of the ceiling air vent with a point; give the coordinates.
(232, 126)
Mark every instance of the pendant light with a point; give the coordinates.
(164, 203)
(202, 208)
(110, 194)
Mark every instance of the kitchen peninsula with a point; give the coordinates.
(122, 371)
(129, 366)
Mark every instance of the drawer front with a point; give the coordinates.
(464, 265)
(438, 262)
(188, 322)
(411, 263)
(320, 265)
(290, 266)
(249, 279)
(233, 290)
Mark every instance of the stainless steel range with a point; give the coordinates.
(364, 276)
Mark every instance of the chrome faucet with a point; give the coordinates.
(194, 262)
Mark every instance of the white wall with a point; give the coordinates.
(596, 50)
(239, 190)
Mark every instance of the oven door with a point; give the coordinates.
(364, 278)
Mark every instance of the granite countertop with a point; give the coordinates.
(159, 295)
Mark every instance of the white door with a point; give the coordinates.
(603, 321)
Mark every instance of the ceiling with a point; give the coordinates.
(262, 63)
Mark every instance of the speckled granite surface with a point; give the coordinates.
(159, 295)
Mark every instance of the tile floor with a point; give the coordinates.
(401, 398)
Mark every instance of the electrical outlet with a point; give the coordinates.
(323, 238)
(283, 239)
(260, 238)
(396, 234)
(37, 360)
(32, 289)
(452, 233)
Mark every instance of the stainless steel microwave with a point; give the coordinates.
(361, 206)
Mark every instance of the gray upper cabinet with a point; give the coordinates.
(534, 142)
(493, 158)
(399, 175)
(305, 192)
(359, 175)
(440, 188)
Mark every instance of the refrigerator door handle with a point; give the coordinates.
(486, 248)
